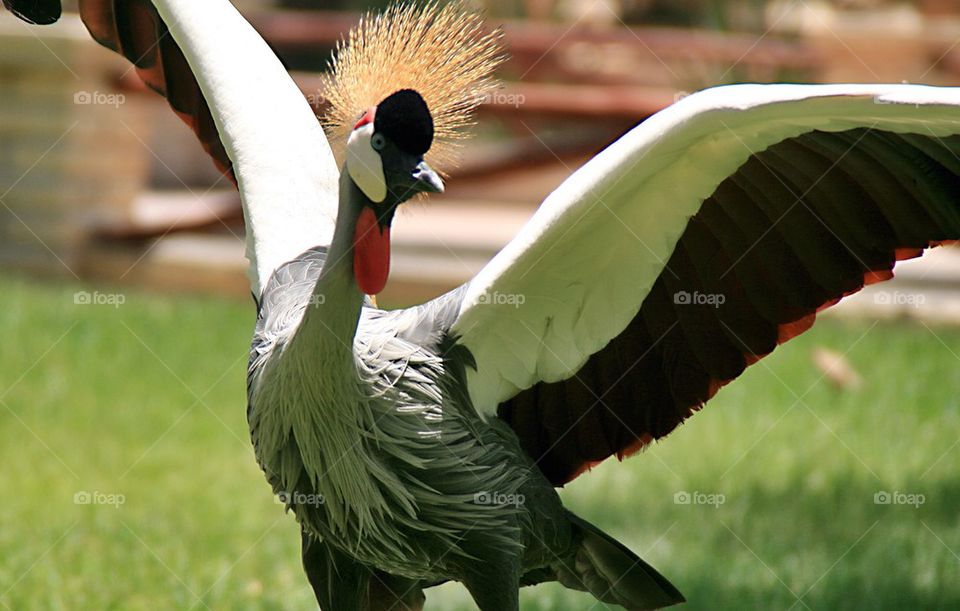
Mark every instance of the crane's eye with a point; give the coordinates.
(378, 141)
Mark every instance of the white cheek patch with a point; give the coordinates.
(364, 164)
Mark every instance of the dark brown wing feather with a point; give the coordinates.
(133, 29)
(799, 226)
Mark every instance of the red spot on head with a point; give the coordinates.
(367, 117)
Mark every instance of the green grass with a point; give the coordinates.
(147, 401)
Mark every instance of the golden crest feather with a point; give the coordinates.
(442, 52)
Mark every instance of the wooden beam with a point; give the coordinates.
(306, 30)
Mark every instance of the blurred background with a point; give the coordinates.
(129, 481)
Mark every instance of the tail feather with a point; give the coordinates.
(614, 574)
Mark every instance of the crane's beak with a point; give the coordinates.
(425, 180)
(413, 176)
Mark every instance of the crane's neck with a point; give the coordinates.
(329, 323)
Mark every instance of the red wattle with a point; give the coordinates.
(371, 253)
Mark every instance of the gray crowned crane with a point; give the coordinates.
(403, 440)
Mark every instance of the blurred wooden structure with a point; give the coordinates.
(69, 155)
(891, 43)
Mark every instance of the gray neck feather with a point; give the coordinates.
(317, 395)
(330, 322)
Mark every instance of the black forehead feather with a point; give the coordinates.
(404, 118)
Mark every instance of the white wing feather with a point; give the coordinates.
(579, 270)
(284, 167)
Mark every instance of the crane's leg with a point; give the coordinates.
(342, 584)
(337, 583)
(392, 593)
(495, 589)
(493, 580)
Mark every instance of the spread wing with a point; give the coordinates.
(224, 81)
(692, 247)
